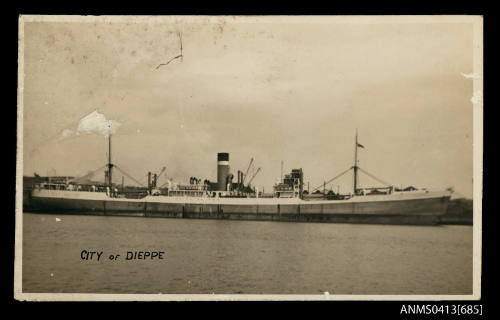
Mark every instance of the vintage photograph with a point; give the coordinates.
(249, 158)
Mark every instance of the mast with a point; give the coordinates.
(355, 162)
(110, 165)
(149, 182)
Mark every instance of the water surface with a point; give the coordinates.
(224, 257)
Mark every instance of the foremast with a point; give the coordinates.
(110, 165)
(355, 167)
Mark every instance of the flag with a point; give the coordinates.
(360, 145)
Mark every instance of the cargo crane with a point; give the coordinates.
(251, 179)
(153, 184)
(159, 175)
(246, 172)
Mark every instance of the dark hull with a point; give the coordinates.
(413, 212)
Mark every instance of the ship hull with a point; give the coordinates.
(420, 209)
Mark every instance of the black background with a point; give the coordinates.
(279, 310)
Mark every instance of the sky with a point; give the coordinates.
(275, 89)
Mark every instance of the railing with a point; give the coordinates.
(70, 187)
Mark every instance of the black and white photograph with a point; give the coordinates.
(249, 158)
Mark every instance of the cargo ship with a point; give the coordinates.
(226, 199)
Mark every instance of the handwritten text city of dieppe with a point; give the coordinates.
(130, 255)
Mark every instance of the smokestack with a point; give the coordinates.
(222, 170)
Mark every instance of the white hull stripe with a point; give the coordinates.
(223, 163)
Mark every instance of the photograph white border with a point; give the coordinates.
(476, 21)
